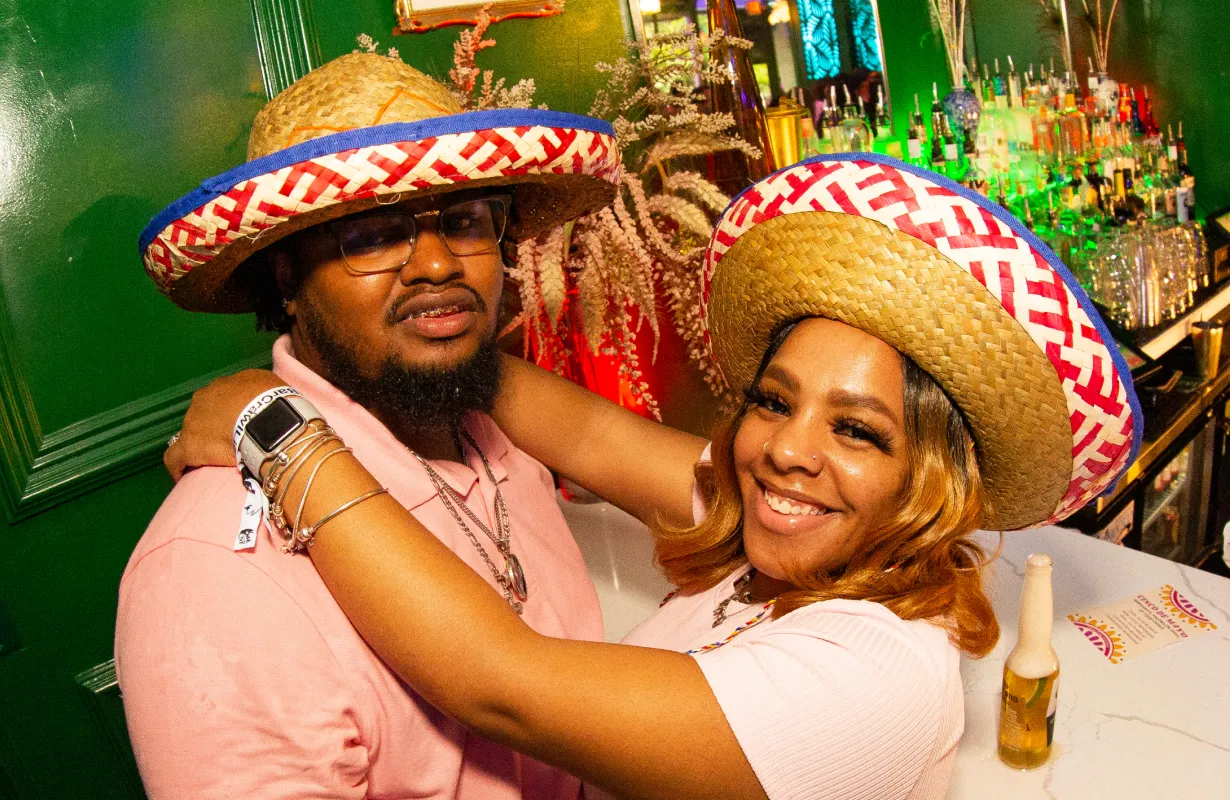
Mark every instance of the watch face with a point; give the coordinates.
(273, 424)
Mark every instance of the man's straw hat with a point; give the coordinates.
(957, 284)
(365, 129)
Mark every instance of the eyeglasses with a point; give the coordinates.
(384, 241)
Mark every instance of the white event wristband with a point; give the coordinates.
(256, 505)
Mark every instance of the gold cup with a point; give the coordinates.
(1206, 341)
(783, 120)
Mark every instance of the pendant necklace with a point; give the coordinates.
(741, 593)
(511, 579)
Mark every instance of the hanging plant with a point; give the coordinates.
(1099, 29)
(948, 23)
(594, 284)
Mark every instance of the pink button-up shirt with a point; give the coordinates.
(241, 677)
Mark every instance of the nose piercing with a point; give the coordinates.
(765, 450)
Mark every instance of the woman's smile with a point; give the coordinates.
(815, 456)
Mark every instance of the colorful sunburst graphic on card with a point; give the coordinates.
(1182, 608)
(1101, 635)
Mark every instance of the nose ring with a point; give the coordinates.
(765, 450)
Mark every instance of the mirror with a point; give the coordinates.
(812, 45)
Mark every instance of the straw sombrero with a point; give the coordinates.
(361, 130)
(957, 284)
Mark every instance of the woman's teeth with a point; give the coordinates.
(794, 508)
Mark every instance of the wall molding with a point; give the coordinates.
(41, 471)
(286, 42)
(102, 697)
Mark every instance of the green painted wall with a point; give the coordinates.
(109, 109)
(913, 58)
(558, 52)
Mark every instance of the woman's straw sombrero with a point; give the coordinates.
(958, 285)
(365, 129)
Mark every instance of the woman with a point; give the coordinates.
(897, 400)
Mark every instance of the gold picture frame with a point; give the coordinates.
(419, 16)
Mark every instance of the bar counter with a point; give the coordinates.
(1154, 726)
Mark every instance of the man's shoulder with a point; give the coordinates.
(203, 508)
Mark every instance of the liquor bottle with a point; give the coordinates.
(1152, 129)
(1031, 675)
(1138, 121)
(937, 147)
(1181, 154)
(917, 138)
(1125, 104)
(858, 133)
(952, 154)
(1014, 85)
(1001, 89)
(1186, 193)
(937, 111)
(1071, 126)
(884, 124)
(988, 88)
(733, 170)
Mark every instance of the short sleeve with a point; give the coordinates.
(839, 699)
(229, 690)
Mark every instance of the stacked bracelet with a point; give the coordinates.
(284, 467)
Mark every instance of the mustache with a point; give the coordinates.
(458, 294)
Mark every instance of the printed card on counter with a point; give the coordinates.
(1141, 624)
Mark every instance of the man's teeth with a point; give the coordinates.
(437, 312)
(783, 505)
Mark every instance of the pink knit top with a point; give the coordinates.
(840, 699)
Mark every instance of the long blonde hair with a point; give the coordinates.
(921, 564)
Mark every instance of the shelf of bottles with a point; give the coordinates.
(1087, 168)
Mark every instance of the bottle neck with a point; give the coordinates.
(1037, 609)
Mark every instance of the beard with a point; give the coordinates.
(416, 398)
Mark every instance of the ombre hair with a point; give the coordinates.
(920, 564)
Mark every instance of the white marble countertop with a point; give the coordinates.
(1154, 726)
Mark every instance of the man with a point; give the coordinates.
(367, 226)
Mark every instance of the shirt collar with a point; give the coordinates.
(391, 462)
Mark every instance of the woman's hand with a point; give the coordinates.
(206, 438)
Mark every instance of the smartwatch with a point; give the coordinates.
(267, 431)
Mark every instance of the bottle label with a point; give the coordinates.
(1173, 152)
(950, 151)
(915, 149)
(1050, 712)
(1027, 719)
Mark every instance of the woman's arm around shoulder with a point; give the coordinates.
(641, 466)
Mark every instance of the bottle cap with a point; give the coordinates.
(1038, 561)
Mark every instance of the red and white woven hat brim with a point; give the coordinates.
(1006, 262)
(559, 166)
